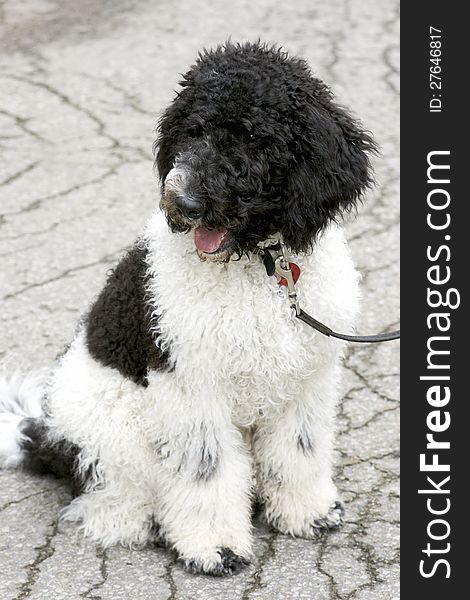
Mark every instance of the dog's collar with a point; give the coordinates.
(276, 262)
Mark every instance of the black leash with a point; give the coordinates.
(276, 263)
(378, 337)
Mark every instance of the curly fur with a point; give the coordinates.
(190, 389)
(266, 147)
(118, 326)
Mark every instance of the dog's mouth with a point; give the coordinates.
(212, 244)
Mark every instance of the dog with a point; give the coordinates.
(190, 391)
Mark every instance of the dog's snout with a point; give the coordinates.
(189, 207)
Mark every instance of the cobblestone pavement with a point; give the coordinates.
(81, 86)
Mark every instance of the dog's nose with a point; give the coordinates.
(189, 207)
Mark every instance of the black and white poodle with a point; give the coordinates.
(190, 388)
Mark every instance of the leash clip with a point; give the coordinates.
(276, 262)
(282, 269)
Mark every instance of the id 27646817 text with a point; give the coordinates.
(435, 69)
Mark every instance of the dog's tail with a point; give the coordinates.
(20, 414)
(25, 440)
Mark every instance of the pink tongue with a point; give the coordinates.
(208, 240)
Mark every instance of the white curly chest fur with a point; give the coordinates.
(230, 328)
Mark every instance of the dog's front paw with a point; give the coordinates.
(330, 522)
(308, 525)
(224, 562)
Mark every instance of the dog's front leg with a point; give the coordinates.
(204, 486)
(293, 454)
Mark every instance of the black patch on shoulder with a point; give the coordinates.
(118, 330)
(44, 457)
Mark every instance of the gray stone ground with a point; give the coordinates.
(81, 86)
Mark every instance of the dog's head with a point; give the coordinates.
(253, 145)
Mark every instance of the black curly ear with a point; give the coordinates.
(165, 144)
(329, 175)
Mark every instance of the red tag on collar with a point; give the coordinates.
(295, 274)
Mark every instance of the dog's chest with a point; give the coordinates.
(232, 333)
(229, 328)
